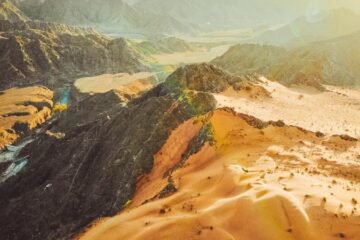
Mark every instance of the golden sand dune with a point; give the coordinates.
(30, 106)
(258, 181)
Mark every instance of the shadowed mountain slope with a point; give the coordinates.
(54, 54)
(331, 62)
(105, 153)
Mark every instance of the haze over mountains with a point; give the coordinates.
(169, 17)
(333, 62)
(323, 26)
(179, 119)
(113, 16)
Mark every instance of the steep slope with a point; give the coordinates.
(328, 62)
(247, 58)
(107, 149)
(242, 179)
(54, 54)
(10, 12)
(323, 26)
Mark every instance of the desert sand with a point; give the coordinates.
(259, 181)
(130, 83)
(198, 56)
(335, 111)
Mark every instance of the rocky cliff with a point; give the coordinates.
(23, 109)
(54, 54)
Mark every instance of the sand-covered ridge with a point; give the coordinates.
(252, 181)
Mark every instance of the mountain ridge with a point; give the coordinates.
(325, 25)
(330, 62)
(10, 12)
(55, 54)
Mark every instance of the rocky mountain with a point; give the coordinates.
(324, 25)
(108, 147)
(326, 62)
(183, 156)
(54, 54)
(112, 16)
(10, 12)
(21, 110)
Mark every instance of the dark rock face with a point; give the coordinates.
(88, 109)
(92, 171)
(53, 54)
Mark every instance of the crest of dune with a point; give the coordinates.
(243, 184)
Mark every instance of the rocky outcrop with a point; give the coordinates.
(54, 54)
(23, 109)
(90, 170)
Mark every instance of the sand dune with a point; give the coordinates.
(335, 111)
(258, 181)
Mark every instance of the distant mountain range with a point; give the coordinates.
(334, 62)
(323, 26)
(171, 17)
(54, 54)
(113, 16)
(214, 14)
